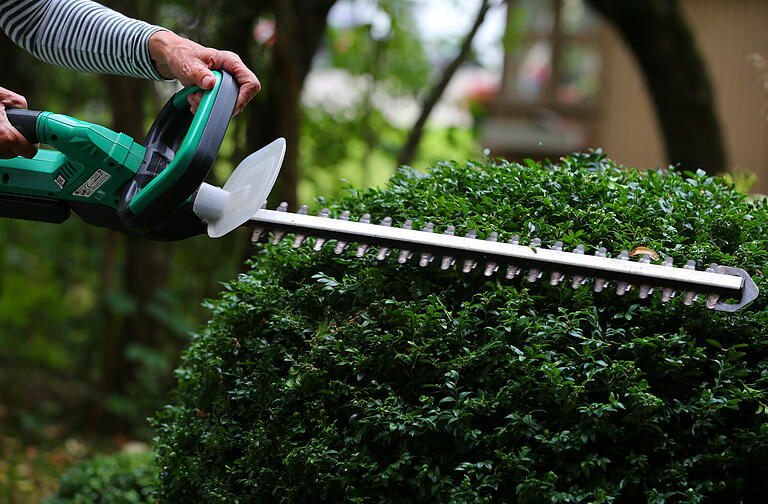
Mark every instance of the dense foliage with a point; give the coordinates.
(327, 378)
(124, 478)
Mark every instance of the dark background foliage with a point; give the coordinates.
(328, 378)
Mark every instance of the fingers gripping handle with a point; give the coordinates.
(24, 121)
(181, 149)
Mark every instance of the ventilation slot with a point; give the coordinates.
(68, 171)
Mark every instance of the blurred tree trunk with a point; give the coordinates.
(658, 35)
(147, 263)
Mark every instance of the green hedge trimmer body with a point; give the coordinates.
(158, 191)
(111, 180)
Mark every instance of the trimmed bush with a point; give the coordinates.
(328, 378)
(124, 478)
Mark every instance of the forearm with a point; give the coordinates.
(80, 35)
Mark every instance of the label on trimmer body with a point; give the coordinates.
(92, 184)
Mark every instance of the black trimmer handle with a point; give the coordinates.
(24, 121)
(181, 149)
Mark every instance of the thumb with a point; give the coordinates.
(199, 74)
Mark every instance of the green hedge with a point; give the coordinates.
(124, 478)
(327, 378)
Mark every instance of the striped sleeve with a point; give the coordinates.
(80, 35)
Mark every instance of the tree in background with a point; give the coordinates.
(658, 35)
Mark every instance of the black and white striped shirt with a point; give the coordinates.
(80, 35)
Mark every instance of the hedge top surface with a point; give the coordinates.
(328, 378)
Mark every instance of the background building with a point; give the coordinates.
(570, 83)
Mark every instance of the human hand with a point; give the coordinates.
(178, 58)
(12, 142)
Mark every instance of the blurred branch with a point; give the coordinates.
(408, 151)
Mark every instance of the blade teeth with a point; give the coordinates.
(690, 296)
(405, 254)
(341, 245)
(645, 290)
(277, 236)
(601, 283)
(623, 287)
(469, 264)
(513, 270)
(299, 239)
(534, 273)
(363, 247)
(384, 251)
(491, 267)
(257, 233)
(557, 276)
(578, 280)
(426, 257)
(713, 298)
(448, 261)
(319, 242)
(667, 293)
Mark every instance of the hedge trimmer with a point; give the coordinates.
(157, 191)
(717, 284)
